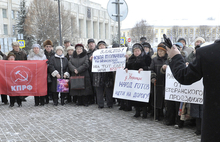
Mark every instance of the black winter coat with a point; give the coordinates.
(155, 68)
(55, 65)
(196, 110)
(81, 64)
(89, 53)
(48, 55)
(135, 63)
(206, 65)
(20, 55)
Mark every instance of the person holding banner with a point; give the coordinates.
(20, 55)
(103, 82)
(78, 66)
(139, 61)
(206, 65)
(11, 57)
(36, 53)
(159, 77)
(3, 97)
(58, 67)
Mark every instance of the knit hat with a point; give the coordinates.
(36, 45)
(101, 42)
(91, 40)
(79, 45)
(143, 38)
(59, 47)
(10, 54)
(146, 44)
(47, 42)
(181, 39)
(70, 48)
(200, 38)
(15, 43)
(179, 44)
(137, 45)
(161, 46)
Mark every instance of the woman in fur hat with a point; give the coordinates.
(79, 65)
(36, 53)
(58, 67)
(139, 61)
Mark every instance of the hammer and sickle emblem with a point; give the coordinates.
(22, 77)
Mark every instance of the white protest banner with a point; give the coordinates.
(132, 85)
(174, 91)
(107, 60)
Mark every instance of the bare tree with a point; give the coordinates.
(42, 22)
(189, 35)
(142, 29)
(174, 33)
(204, 31)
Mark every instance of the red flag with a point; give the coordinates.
(23, 78)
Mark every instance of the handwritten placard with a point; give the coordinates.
(174, 91)
(132, 85)
(107, 60)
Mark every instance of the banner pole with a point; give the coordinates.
(155, 100)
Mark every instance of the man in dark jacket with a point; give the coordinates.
(20, 55)
(92, 48)
(206, 66)
(48, 45)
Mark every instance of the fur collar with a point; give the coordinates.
(84, 53)
(62, 56)
(32, 54)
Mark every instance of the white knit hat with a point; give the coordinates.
(200, 38)
(70, 48)
(59, 47)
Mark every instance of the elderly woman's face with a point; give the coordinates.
(79, 50)
(59, 52)
(36, 50)
(102, 46)
(70, 52)
(137, 52)
(11, 58)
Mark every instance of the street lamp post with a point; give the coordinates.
(59, 23)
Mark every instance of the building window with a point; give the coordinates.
(13, 30)
(4, 13)
(186, 31)
(12, 14)
(156, 40)
(5, 29)
(156, 31)
(161, 30)
(191, 30)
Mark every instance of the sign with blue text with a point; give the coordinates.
(132, 85)
(108, 60)
(174, 91)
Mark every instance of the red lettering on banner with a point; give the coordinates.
(134, 77)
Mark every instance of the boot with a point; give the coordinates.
(62, 101)
(137, 113)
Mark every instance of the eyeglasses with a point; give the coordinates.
(48, 46)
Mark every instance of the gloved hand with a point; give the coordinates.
(167, 41)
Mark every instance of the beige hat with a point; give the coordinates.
(200, 38)
(70, 48)
(15, 43)
(59, 47)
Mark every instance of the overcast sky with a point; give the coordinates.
(155, 10)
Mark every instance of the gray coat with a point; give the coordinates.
(81, 64)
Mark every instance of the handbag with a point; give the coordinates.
(77, 82)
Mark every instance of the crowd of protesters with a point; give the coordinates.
(67, 61)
